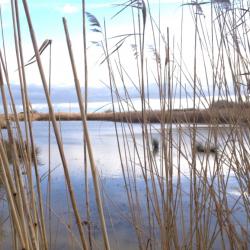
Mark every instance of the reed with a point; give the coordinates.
(8, 148)
(178, 163)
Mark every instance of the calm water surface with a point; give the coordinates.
(105, 150)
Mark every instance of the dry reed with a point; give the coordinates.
(187, 200)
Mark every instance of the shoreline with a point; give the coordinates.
(219, 116)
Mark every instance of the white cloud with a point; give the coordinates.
(70, 8)
(165, 2)
(4, 2)
(111, 4)
(100, 5)
(61, 68)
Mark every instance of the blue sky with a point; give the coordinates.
(47, 21)
(47, 16)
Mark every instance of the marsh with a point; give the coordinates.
(115, 185)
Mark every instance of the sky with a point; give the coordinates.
(47, 16)
(47, 21)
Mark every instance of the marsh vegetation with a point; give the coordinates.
(140, 181)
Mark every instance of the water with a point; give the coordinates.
(116, 207)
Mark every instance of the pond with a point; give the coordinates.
(134, 182)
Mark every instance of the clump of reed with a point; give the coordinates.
(2, 124)
(1, 181)
(208, 148)
(183, 208)
(155, 146)
(20, 150)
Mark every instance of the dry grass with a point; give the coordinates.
(8, 148)
(205, 116)
(181, 208)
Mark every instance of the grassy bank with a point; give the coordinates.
(225, 115)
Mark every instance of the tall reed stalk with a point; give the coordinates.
(56, 131)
